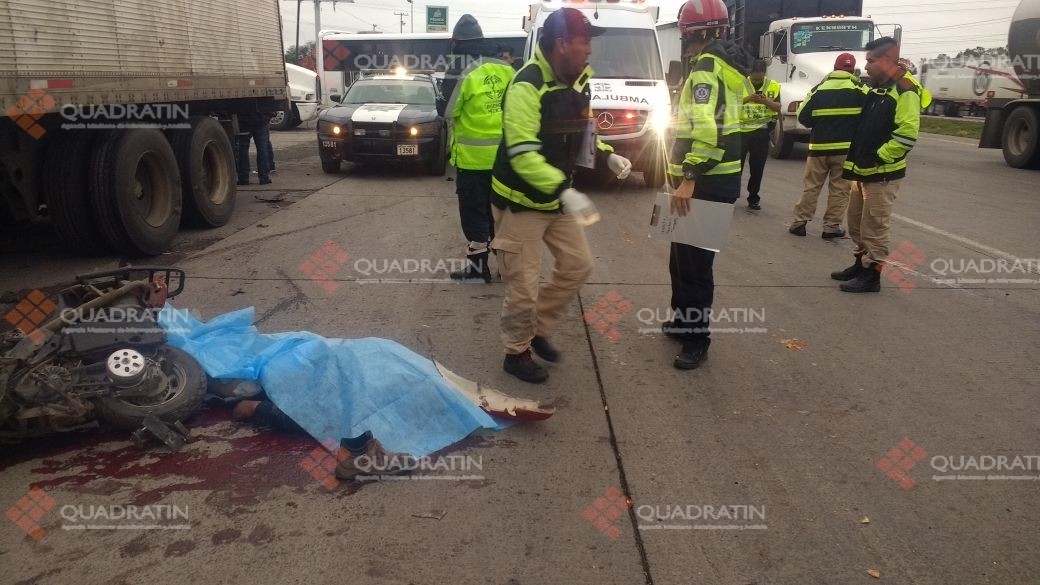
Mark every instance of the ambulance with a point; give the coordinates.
(630, 95)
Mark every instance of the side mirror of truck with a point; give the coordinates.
(335, 97)
(674, 76)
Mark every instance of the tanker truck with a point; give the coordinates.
(118, 115)
(1014, 124)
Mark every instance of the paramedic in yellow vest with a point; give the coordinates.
(757, 119)
(474, 115)
(704, 165)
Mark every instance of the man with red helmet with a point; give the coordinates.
(705, 162)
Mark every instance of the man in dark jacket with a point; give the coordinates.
(832, 110)
(548, 130)
(876, 162)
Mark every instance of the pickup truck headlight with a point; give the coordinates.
(337, 129)
(424, 129)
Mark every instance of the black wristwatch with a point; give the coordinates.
(689, 175)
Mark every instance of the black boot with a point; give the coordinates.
(545, 350)
(851, 272)
(522, 366)
(692, 355)
(868, 281)
(477, 270)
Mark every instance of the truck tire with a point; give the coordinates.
(135, 189)
(953, 110)
(294, 120)
(186, 387)
(653, 174)
(64, 188)
(1021, 138)
(330, 167)
(780, 144)
(207, 167)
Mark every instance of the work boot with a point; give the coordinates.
(375, 461)
(869, 280)
(522, 366)
(839, 233)
(692, 355)
(545, 350)
(797, 228)
(476, 271)
(850, 272)
(754, 205)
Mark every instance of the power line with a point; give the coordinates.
(949, 26)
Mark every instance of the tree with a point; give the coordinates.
(301, 55)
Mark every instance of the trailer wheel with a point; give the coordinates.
(207, 168)
(135, 189)
(1021, 139)
(64, 187)
(780, 144)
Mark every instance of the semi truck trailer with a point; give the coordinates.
(119, 115)
(1014, 124)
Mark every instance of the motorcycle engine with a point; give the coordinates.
(46, 383)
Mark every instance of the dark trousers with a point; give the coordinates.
(693, 290)
(474, 191)
(755, 144)
(261, 136)
(692, 269)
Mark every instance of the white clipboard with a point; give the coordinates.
(705, 226)
(587, 156)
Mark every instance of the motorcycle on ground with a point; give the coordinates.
(100, 357)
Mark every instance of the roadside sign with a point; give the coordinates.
(436, 19)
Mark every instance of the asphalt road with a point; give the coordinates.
(762, 467)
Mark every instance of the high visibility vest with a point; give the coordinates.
(755, 116)
(707, 138)
(475, 114)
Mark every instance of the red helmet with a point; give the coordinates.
(697, 15)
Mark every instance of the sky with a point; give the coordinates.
(930, 27)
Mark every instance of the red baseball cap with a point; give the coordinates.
(845, 62)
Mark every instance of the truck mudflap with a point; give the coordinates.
(993, 128)
(494, 402)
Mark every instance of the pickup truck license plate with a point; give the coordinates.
(407, 149)
(328, 144)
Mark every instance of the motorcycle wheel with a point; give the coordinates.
(183, 395)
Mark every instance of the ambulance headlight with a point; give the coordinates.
(660, 120)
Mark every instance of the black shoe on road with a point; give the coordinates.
(545, 350)
(828, 235)
(691, 356)
(470, 275)
(868, 281)
(850, 272)
(522, 366)
(797, 229)
(754, 205)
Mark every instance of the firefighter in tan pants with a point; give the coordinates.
(547, 132)
(832, 110)
(876, 164)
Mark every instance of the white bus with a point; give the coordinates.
(344, 56)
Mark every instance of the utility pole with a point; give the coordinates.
(402, 15)
(411, 3)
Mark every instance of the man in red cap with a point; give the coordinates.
(832, 110)
(547, 128)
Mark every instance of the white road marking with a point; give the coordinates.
(961, 239)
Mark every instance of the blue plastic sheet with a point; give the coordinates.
(334, 388)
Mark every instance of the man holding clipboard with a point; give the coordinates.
(705, 164)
